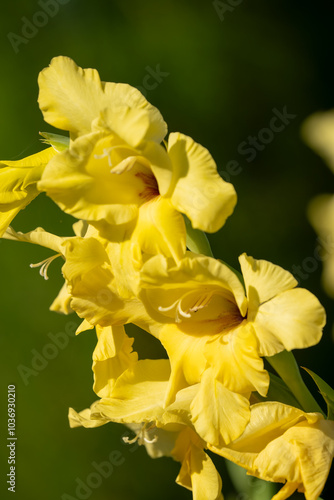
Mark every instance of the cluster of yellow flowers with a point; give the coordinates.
(138, 255)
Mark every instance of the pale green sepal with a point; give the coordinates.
(247, 486)
(326, 391)
(278, 391)
(58, 142)
(197, 240)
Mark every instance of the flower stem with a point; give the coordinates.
(285, 365)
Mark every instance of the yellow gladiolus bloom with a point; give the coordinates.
(95, 287)
(284, 444)
(116, 167)
(101, 292)
(18, 181)
(136, 399)
(215, 333)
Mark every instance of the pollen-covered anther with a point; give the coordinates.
(44, 265)
(203, 301)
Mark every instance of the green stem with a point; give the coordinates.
(285, 365)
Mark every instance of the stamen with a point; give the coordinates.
(140, 436)
(151, 441)
(45, 265)
(201, 302)
(181, 311)
(130, 441)
(163, 309)
(106, 153)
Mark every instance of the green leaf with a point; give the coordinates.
(278, 391)
(249, 486)
(285, 365)
(326, 391)
(58, 142)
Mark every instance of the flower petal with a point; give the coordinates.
(18, 181)
(197, 190)
(138, 393)
(62, 303)
(268, 421)
(235, 361)
(113, 355)
(80, 181)
(96, 295)
(218, 414)
(292, 320)
(160, 229)
(197, 471)
(71, 98)
(83, 419)
(263, 280)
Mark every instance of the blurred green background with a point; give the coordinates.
(217, 76)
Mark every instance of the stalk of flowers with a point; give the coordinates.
(127, 263)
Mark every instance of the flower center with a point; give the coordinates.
(187, 304)
(202, 306)
(120, 175)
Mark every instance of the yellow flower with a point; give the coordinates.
(95, 287)
(321, 216)
(112, 355)
(136, 399)
(53, 242)
(318, 131)
(101, 292)
(284, 444)
(18, 181)
(116, 171)
(215, 333)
